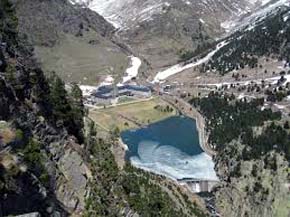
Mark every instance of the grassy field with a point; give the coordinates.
(127, 116)
(74, 59)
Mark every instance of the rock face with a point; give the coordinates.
(25, 105)
(75, 174)
(250, 188)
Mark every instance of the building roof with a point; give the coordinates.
(106, 92)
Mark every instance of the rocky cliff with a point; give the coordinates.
(251, 187)
(41, 165)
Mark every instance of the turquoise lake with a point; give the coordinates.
(171, 148)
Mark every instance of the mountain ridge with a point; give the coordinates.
(164, 32)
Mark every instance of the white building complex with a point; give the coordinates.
(105, 95)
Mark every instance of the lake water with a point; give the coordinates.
(171, 148)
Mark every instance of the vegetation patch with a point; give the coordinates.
(270, 38)
(119, 192)
(7, 135)
(74, 59)
(253, 154)
(132, 115)
(229, 119)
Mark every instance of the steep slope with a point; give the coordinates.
(166, 31)
(258, 43)
(267, 37)
(266, 8)
(37, 140)
(252, 158)
(74, 42)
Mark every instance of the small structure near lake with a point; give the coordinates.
(198, 186)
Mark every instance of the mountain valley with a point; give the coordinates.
(145, 108)
(165, 32)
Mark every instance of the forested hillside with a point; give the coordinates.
(269, 37)
(253, 154)
(129, 191)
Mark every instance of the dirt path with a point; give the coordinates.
(93, 108)
(136, 122)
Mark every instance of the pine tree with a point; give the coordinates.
(76, 98)
(78, 110)
(286, 125)
(58, 98)
(67, 108)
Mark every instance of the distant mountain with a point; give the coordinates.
(165, 32)
(265, 9)
(126, 13)
(267, 35)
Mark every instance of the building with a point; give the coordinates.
(106, 94)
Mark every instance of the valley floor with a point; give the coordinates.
(131, 115)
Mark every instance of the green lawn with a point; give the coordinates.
(141, 112)
(74, 59)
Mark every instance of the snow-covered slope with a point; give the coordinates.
(161, 76)
(128, 13)
(266, 36)
(267, 7)
(250, 24)
(160, 31)
(122, 13)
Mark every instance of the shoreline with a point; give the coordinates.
(193, 184)
(186, 109)
(203, 137)
(183, 108)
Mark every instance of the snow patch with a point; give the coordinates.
(133, 70)
(87, 90)
(202, 21)
(161, 76)
(273, 80)
(109, 80)
(280, 107)
(233, 25)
